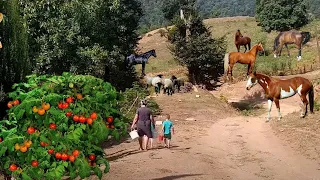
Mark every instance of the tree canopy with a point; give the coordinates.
(281, 14)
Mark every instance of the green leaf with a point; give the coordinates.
(59, 171)
(25, 176)
(65, 164)
(116, 135)
(84, 168)
(3, 150)
(98, 172)
(20, 114)
(73, 174)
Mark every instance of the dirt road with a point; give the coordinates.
(213, 141)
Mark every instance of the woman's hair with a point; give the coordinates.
(143, 102)
(168, 116)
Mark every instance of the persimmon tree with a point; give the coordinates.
(55, 127)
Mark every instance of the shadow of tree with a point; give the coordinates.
(250, 102)
(123, 154)
(112, 142)
(176, 176)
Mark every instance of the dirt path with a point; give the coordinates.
(213, 141)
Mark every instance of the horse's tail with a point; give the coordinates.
(226, 62)
(305, 37)
(311, 99)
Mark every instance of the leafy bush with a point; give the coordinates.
(55, 123)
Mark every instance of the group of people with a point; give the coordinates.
(145, 124)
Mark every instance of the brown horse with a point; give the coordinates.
(290, 37)
(239, 40)
(249, 58)
(276, 89)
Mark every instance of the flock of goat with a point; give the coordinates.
(168, 85)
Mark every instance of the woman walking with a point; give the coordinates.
(143, 119)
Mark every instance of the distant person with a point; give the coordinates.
(143, 119)
(167, 128)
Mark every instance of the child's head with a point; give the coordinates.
(168, 116)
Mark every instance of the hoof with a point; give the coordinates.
(279, 118)
(268, 119)
(299, 58)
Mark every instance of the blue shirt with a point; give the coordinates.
(167, 125)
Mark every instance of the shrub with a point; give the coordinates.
(59, 114)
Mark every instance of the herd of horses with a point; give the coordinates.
(275, 88)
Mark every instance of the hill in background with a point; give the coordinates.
(153, 16)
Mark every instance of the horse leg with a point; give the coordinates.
(245, 48)
(299, 57)
(281, 46)
(238, 47)
(287, 49)
(230, 70)
(304, 105)
(276, 101)
(143, 68)
(269, 109)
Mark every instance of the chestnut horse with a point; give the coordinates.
(239, 40)
(290, 37)
(249, 58)
(276, 89)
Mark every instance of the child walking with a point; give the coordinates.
(167, 128)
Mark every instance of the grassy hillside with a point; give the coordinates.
(165, 63)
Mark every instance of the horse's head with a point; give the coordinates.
(238, 33)
(153, 53)
(252, 80)
(260, 47)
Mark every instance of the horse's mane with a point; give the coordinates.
(276, 41)
(270, 77)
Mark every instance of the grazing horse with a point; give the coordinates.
(290, 37)
(249, 58)
(142, 59)
(239, 40)
(276, 89)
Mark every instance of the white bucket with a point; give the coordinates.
(134, 134)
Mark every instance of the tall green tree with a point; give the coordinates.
(14, 61)
(200, 53)
(83, 36)
(281, 14)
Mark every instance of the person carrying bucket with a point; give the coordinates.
(143, 119)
